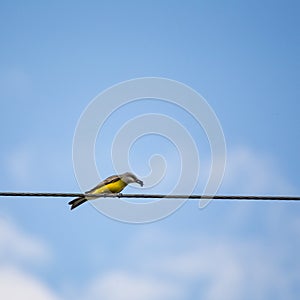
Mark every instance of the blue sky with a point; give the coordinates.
(242, 56)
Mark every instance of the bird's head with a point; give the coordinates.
(131, 178)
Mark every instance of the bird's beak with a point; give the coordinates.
(140, 182)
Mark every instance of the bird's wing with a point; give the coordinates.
(106, 181)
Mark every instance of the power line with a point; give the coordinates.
(156, 196)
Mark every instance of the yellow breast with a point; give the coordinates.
(114, 187)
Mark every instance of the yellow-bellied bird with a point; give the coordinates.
(112, 184)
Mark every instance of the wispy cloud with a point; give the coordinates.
(250, 171)
(229, 269)
(16, 245)
(125, 285)
(206, 267)
(16, 284)
(18, 250)
(19, 165)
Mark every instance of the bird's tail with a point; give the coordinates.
(77, 201)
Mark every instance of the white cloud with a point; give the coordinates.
(247, 171)
(122, 285)
(19, 164)
(198, 266)
(15, 245)
(208, 268)
(16, 285)
(228, 270)
(252, 172)
(17, 248)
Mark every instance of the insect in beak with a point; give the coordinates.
(140, 182)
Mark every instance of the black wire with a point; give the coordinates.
(154, 196)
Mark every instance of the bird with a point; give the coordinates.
(112, 184)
